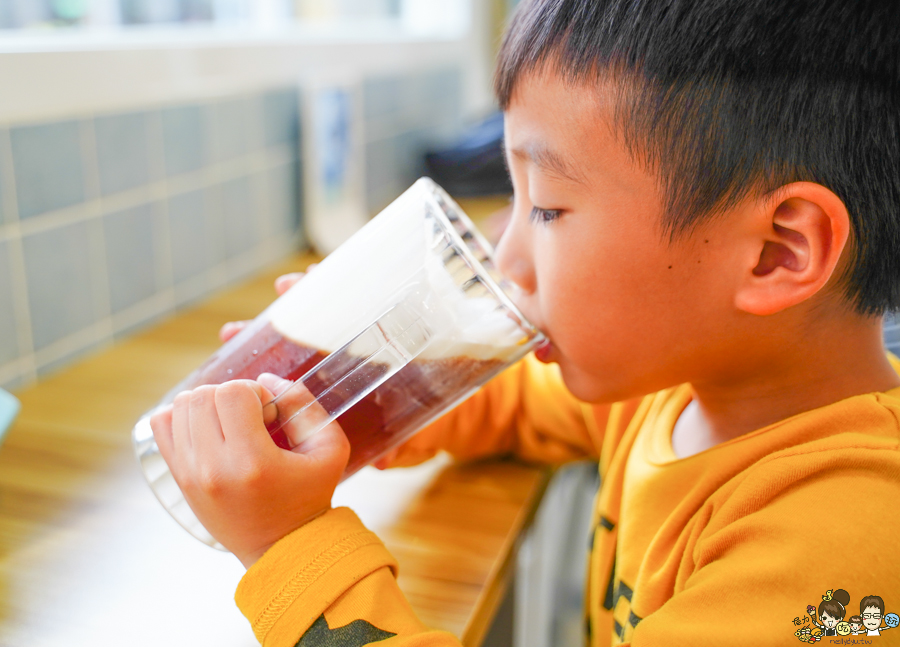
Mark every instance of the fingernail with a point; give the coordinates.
(287, 278)
(272, 381)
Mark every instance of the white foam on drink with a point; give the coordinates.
(335, 302)
(481, 327)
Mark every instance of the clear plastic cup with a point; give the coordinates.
(397, 326)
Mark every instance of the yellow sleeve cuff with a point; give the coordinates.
(299, 577)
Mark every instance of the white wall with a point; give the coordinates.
(59, 75)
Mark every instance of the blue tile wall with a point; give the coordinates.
(60, 285)
(122, 217)
(404, 115)
(9, 338)
(382, 181)
(285, 210)
(48, 162)
(131, 255)
(382, 99)
(5, 178)
(215, 224)
(237, 127)
(189, 235)
(241, 230)
(184, 139)
(441, 92)
(122, 152)
(281, 116)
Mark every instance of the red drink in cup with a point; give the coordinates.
(396, 327)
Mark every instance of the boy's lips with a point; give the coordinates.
(545, 352)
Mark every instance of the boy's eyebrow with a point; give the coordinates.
(549, 160)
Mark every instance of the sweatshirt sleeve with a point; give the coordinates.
(526, 411)
(331, 582)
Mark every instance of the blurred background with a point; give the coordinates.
(154, 151)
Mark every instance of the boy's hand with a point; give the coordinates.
(282, 284)
(246, 491)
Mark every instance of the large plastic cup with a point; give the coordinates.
(394, 328)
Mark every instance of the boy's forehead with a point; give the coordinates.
(563, 128)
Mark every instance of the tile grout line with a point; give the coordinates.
(260, 187)
(165, 280)
(217, 273)
(82, 340)
(143, 311)
(202, 100)
(194, 181)
(161, 231)
(97, 238)
(17, 372)
(19, 275)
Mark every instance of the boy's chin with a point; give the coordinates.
(589, 388)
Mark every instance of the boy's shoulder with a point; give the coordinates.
(841, 457)
(855, 441)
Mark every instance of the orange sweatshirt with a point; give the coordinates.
(729, 546)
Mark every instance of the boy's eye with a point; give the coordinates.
(544, 215)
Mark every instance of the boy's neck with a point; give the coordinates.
(825, 367)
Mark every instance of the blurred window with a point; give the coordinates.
(419, 16)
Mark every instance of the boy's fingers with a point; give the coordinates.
(230, 329)
(286, 281)
(204, 419)
(385, 461)
(328, 445)
(239, 404)
(273, 383)
(181, 435)
(298, 412)
(302, 416)
(273, 386)
(161, 424)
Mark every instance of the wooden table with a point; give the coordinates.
(88, 556)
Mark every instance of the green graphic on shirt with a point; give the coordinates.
(624, 619)
(357, 633)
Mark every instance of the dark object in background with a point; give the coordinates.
(474, 166)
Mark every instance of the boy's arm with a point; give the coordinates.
(331, 582)
(316, 575)
(527, 411)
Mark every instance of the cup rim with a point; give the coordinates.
(435, 190)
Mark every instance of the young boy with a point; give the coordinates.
(707, 210)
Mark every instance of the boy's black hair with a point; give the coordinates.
(724, 97)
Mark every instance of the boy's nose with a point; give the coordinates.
(515, 254)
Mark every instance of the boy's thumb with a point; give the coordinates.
(302, 418)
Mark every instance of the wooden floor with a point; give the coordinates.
(88, 556)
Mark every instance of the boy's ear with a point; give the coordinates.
(795, 243)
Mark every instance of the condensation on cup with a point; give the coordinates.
(397, 326)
